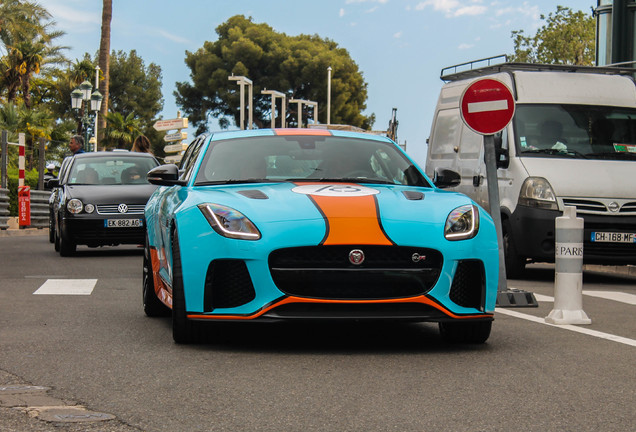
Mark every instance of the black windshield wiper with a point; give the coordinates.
(557, 152)
(232, 181)
(352, 180)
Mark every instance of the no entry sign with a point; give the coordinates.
(487, 106)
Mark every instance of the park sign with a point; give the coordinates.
(177, 123)
(487, 106)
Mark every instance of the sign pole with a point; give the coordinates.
(493, 203)
(487, 107)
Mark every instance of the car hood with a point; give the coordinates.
(585, 177)
(352, 213)
(111, 194)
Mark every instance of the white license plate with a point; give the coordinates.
(613, 237)
(123, 223)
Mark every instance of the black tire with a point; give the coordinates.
(515, 264)
(153, 307)
(475, 332)
(67, 246)
(183, 330)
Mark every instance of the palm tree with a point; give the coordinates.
(104, 61)
(18, 18)
(122, 130)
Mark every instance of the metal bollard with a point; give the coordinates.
(568, 279)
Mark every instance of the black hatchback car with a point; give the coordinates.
(101, 200)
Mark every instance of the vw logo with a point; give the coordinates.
(122, 208)
(356, 257)
(613, 206)
(417, 257)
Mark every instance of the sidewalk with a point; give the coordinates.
(14, 230)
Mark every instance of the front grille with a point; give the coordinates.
(601, 206)
(113, 209)
(325, 272)
(585, 205)
(469, 284)
(227, 284)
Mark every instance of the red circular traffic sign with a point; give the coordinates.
(487, 106)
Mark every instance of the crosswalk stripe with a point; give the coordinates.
(618, 296)
(67, 287)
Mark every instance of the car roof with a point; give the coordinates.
(296, 132)
(101, 154)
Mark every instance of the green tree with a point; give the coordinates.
(567, 37)
(135, 88)
(121, 131)
(294, 65)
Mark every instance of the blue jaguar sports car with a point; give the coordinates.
(284, 224)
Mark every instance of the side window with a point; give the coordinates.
(446, 134)
(190, 156)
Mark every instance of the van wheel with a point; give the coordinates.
(515, 264)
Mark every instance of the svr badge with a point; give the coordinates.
(335, 190)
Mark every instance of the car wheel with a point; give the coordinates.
(153, 307)
(475, 332)
(515, 264)
(183, 330)
(67, 246)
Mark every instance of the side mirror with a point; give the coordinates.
(165, 175)
(446, 178)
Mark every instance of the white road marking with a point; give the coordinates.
(618, 296)
(573, 328)
(622, 297)
(496, 105)
(67, 287)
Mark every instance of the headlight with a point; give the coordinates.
(462, 223)
(74, 206)
(536, 192)
(229, 222)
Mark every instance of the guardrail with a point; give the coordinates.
(4, 208)
(40, 208)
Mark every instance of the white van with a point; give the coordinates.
(572, 142)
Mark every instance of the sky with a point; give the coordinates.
(400, 46)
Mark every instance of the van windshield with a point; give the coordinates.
(575, 131)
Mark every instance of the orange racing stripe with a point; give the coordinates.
(353, 220)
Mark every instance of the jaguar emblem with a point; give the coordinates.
(417, 257)
(356, 257)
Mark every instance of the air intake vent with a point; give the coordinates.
(253, 194)
(227, 284)
(469, 284)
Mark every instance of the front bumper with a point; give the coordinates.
(533, 231)
(91, 231)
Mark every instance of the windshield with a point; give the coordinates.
(114, 170)
(579, 131)
(306, 158)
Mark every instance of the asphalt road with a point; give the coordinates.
(100, 353)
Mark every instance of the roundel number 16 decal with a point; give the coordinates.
(335, 190)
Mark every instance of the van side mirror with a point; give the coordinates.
(445, 178)
(501, 154)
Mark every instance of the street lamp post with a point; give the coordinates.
(85, 94)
